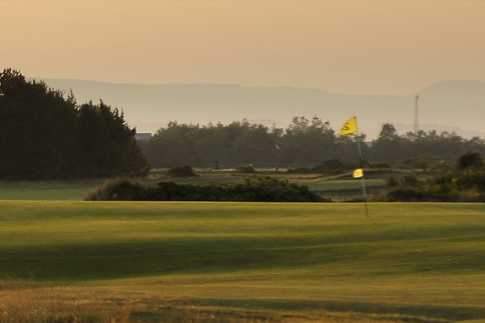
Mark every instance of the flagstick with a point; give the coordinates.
(351, 128)
(364, 184)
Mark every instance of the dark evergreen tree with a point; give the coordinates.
(46, 135)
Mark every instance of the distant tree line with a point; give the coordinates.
(390, 146)
(304, 143)
(45, 134)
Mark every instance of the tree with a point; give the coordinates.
(47, 135)
(470, 160)
(308, 142)
(388, 132)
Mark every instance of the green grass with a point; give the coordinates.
(47, 190)
(405, 261)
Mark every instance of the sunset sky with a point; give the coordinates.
(360, 46)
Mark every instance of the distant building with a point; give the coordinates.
(143, 136)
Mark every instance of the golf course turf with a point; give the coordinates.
(420, 262)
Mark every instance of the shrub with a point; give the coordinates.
(416, 195)
(261, 189)
(475, 180)
(118, 190)
(466, 186)
(268, 189)
(470, 160)
(405, 195)
(183, 171)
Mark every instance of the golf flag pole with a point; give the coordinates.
(362, 179)
(351, 129)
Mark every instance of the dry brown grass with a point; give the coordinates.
(49, 306)
(81, 305)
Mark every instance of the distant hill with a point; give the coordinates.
(451, 105)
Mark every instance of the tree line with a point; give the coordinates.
(306, 142)
(45, 134)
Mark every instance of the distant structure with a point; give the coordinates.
(416, 114)
(143, 136)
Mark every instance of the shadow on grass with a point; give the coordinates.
(111, 260)
(148, 258)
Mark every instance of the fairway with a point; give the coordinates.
(406, 261)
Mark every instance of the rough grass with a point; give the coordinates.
(272, 262)
(69, 305)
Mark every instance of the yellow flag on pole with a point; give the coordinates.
(358, 173)
(350, 128)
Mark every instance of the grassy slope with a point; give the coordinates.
(425, 260)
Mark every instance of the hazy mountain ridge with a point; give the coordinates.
(469, 87)
(446, 105)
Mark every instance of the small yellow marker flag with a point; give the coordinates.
(358, 173)
(350, 128)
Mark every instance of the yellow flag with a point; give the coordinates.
(358, 173)
(350, 128)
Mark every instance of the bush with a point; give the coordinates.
(471, 160)
(268, 189)
(183, 171)
(262, 189)
(405, 195)
(465, 185)
(118, 190)
(415, 195)
(475, 180)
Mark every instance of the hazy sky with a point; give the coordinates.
(365, 46)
